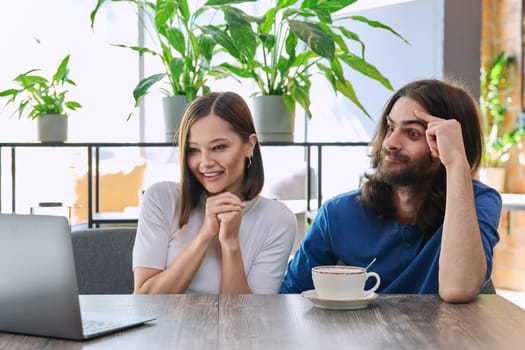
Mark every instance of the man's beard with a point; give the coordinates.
(410, 173)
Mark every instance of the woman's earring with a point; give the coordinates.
(250, 161)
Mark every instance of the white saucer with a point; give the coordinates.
(348, 304)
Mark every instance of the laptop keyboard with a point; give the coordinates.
(96, 326)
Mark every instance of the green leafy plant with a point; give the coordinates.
(37, 96)
(496, 87)
(279, 49)
(184, 51)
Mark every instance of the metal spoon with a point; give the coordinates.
(371, 262)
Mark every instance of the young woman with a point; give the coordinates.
(213, 232)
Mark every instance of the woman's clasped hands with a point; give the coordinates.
(223, 217)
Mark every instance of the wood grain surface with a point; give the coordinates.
(251, 322)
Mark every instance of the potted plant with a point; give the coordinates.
(37, 97)
(184, 51)
(279, 50)
(496, 88)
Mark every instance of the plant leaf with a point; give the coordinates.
(268, 41)
(226, 2)
(206, 46)
(143, 86)
(222, 39)
(239, 71)
(164, 11)
(347, 89)
(300, 92)
(365, 68)
(241, 32)
(377, 24)
(62, 71)
(315, 37)
(268, 21)
(93, 13)
(290, 45)
(141, 50)
(27, 81)
(330, 6)
(73, 105)
(8, 92)
(353, 36)
(184, 10)
(281, 4)
(176, 66)
(176, 39)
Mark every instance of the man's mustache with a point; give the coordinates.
(396, 155)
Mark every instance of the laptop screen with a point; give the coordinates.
(38, 293)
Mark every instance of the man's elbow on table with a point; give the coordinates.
(457, 294)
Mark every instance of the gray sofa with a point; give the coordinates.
(103, 258)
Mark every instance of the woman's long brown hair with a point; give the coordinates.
(233, 109)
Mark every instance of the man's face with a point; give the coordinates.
(405, 156)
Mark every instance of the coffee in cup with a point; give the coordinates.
(342, 282)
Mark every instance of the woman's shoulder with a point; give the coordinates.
(272, 217)
(163, 189)
(272, 208)
(271, 204)
(164, 185)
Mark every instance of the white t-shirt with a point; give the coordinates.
(266, 236)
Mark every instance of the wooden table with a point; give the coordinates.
(291, 322)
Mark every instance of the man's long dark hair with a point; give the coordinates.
(441, 99)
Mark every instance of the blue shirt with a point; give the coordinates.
(345, 232)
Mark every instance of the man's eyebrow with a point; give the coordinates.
(408, 122)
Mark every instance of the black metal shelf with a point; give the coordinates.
(93, 158)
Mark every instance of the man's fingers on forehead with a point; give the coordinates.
(423, 115)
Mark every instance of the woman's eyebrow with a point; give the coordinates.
(215, 140)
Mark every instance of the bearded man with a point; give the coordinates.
(431, 226)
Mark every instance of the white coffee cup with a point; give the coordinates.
(341, 282)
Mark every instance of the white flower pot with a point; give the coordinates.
(174, 107)
(273, 120)
(52, 128)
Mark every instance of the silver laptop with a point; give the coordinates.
(38, 284)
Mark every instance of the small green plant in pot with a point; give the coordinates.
(184, 51)
(496, 88)
(37, 97)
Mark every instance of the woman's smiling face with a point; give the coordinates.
(216, 155)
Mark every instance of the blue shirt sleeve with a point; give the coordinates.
(315, 250)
